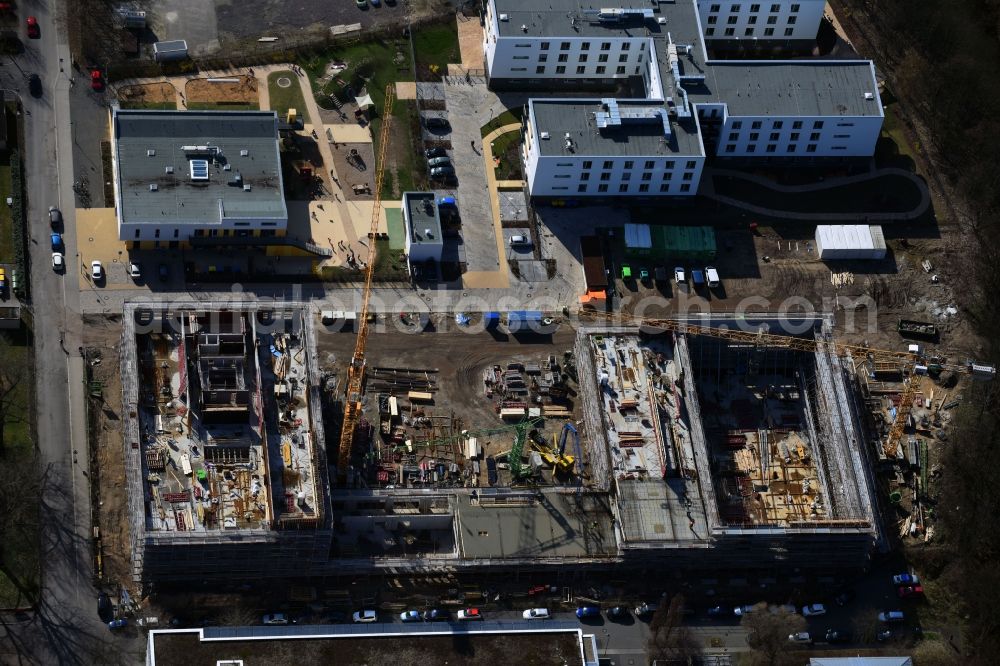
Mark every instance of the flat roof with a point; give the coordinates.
(578, 119)
(422, 212)
(573, 18)
(162, 157)
(784, 88)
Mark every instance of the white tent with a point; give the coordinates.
(850, 241)
(364, 101)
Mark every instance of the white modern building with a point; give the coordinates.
(666, 105)
(423, 228)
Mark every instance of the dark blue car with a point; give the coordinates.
(588, 611)
(56, 242)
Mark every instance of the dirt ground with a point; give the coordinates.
(350, 175)
(102, 338)
(460, 358)
(150, 93)
(242, 92)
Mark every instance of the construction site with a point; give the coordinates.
(221, 429)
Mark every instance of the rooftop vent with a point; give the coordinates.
(428, 233)
(246, 187)
(168, 169)
(504, 17)
(199, 169)
(150, 153)
(524, 28)
(869, 96)
(227, 167)
(544, 135)
(153, 187)
(661, 21)
(244, 152)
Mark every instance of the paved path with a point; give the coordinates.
(925, 198)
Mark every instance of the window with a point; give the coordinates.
(623, 187)
(669, 164)
(603, 57)
(685, 188)
(768, 32)
(543, 57)
(840, 147)
(582, 187)
(588, 164)
(754, 8)
(688, 175)
(795, 8)
(642, 46)
(737, 124)
(751, 148)
(136, 233)
(731, 148)
(564, 46)
(644, 187)
(605, 176)
(730, 32)
(691, 164)
(647, 176)
(605, 46)
(818, 124)
(560, 188)
(709, 32)
(623, 57)
(668, 175)
(712, 20)
(772, 20)
(789, 32)
(748, 32)
(522, 46)
(791, 20)
(620, 70)
(734, 136)
(771, 147)
(581, 69)
(560, 69)
(752, 20)
(520, 57)
(519, 69)
(841, 136)
(545, 46)
(540, 69)
(774, 136)
(796, 124)
(608, 164)
(794, 136)
(734, 8)
(754, 136)
(625, 46)
(650, 164)
(775, 8)
(602, 188)
(814, 136)
(157, 234)
(790, 148)
(776, 124)
(582, 58)
(585, 175)
(629, 164)
(755, 124)
(845, 124)
(811, 148)
(732, 20)
(627, 175)
(600, 69)
(585, 46)
(563, 57)
(664, 188)
(714, 8)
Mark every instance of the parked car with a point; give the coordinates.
(96, 270)
(436, 615)
(800, 637)
(3, 279)
(697, 278)
(410, 616)
(588, 611)
(837, 636)
(470, 614)
(442, 173)
(96, 80)
(627, 272)
(438, 161)
(679, 276)
(644, 609)
(58, 262)
(431, 153)
(55, 217)
(905, 579)
(883, 635)
(35, 85)
(447, 202)
(537, 614)
(891, 616)
(618, 613)
(34, 32)
(105, 610)
(57, 242)
(911, 591)
(437, 122)
(119, 623)
(712, 277)
(813, 610)
(133, 270)
(365, 616)
(519, 240)
(272, 619)
(740, 611)
(644, 275)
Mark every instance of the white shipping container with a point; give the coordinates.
(849, 241)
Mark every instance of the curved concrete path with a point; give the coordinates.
(925, 197)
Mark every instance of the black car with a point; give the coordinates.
(35, 85)
(618, 612)
(442, 173)
(104, 608)
(431, 153)
(436, 615)
(837, 636)
(436, 122)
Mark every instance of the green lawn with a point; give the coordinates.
(222, 106)
(283, 99)
(436, 46)
(389, 264)
(506, 147)
(506, 118)
(153, 106)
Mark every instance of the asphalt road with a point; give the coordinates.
(65, 628)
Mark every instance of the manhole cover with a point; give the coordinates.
(284, 82)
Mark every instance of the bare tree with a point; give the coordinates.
(669, 639)
(768, 630)
(20, 489)
(15, 378)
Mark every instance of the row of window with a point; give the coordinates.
(627, 176)
(772, 148)
(778, 124)
(219, 232)
(751, 20)
(776, 136)
(753, 8)
(630, 164)
(584, 46)
(749, 32)
(581, 69)
(583, 188)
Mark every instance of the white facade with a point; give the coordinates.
(798, 136)
(751, 21)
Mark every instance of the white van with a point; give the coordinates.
(712, 276)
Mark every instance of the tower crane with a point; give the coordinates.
(356, 371)
(761, 337)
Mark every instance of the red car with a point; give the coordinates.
(96, 81)
(33, 30)
(911, 591)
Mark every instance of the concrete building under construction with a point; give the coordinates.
(223, 434)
